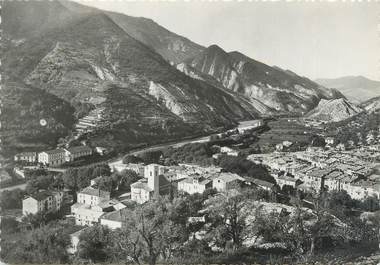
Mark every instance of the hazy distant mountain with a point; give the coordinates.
(334, 110)
(277, 89)
(371, 105)
(355, 88)
(79, 54)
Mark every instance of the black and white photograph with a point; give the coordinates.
(189, 132)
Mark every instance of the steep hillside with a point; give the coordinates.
(92, 56)
(372, 105)
(334, 110)
(278, 89)
(172, 47)
(355, 88)
(23, 109)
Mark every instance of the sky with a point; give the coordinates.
(313, 39)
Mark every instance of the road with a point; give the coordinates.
(203, 139)
(18, 186)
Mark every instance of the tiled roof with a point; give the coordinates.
(79, 149)
(141, 185)
(228, 177)
(54, 151)
(117, 216)
(95, 192)
(42, 195)
(27, 154)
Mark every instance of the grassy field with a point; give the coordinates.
(285, 129)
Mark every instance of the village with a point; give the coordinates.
(317, 169)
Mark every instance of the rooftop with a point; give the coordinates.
(95, 192)
(42, 195)
(117, 216)
(141, 185)
(54, 151)
(229, 177)
(78, 149)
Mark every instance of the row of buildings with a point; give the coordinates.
(316, 169)
(55, 157)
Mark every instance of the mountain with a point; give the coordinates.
(277, 89)
(334, 110)
(371, 105)
(172, 47)
(355, 88)
(85, 54)
(23, 108)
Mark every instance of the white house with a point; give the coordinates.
(91, 205)
(92, 196)
(226, 181)
(194, 184)
(42, 201)
(54, 157)
(229, 151)
(76, 152)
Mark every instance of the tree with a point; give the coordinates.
(9, 225)
(150, 226)
(131, 159)
(127, 245)
(228, 215)
(151, 156)
(43, 182)
(95, 244)
(70, 177)
(11, 199)
(101, 170)
(47, 244)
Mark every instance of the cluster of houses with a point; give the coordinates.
(55, 157)
(316, 169)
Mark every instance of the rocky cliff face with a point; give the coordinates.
(372, 105)
(277, 89)
(334, 110)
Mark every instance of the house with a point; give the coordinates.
(194, 184)
(42, 201)
(265, 185)
(92, 196)
(100, 150)
(284, 180)
(140, 192)
(91, 205)
(86, 215)
(76, 152)
(279, 147)
(54, 157)
(229, 151)
(26, 156)
(329, 140)
(115, 219)
(226, 181)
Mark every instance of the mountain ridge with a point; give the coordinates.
(356, 88)
(276, 88)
